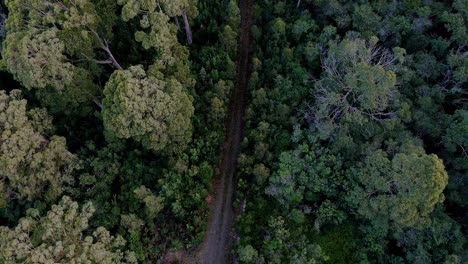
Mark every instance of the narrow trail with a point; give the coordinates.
(217, 242)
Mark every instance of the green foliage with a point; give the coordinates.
(59, 237)
(134, 226)
(281, 245)
(156, 30)
(441, 242)
(100, 171)
(43, 38)
(365, 20)
(153, 203)
(329, 213)
(354, 138)
(355, 89)
(153, 111)
(398, 192)
(389, 88)
(456, 22)
(37, 60)
(456, 138)
(229, 39)
(339, 243)
(302, 175)
(248, 254)
(33, 163)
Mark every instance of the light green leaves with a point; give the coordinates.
(31, 165)
(160, 35)
(36, 59)
(157, 30)
(132, 8)
(153, 203)
(152, 111)
(46, 38)
(401, 191)
(356, 87)
(59, 237)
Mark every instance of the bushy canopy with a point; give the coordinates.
(399, 191)
(153, 111)
(59, 237)
(357, 87)
(33, 163)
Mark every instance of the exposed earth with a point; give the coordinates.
(216, 245)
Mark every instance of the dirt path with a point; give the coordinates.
(217, 241)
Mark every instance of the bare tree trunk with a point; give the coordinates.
(98, 103)
(111, 57)
(298, 3)
(177, 22)
(188, 31)
(105, 47)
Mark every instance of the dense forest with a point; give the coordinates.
(267, 131)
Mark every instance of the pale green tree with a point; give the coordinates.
(157, 31)
(36, 59)
(185, 8)
(400, 191)
(26, 14)
(153, 203)
(155, 112)
(59, 237)
(357, 87)
(154, 16)
(47, 41)
(34, 53)
(282, 245)
(32, 164)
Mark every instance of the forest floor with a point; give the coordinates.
(218, 237)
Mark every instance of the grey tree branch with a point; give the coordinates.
(111, 57)
(105, 47)
(188, 31)
(177, 22)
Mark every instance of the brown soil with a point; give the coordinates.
(217, 242)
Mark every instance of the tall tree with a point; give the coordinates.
(184, 8)
(156, 31)
(51, 43)
(37, 59)
(155, 16)
(155, 112)
(59, 237)
(400, 191)
(357, 87)
(33, 163)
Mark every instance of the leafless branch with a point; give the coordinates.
(105, 47)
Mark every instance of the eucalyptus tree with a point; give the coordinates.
(357, 87)
(61, 236)
(33, 162)
(50, 44)
(154, 20)
(155, 112)
(57, 44)
(398, 191)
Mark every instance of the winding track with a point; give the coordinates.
(216, 245)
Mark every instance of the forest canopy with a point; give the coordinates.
(196, 131)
